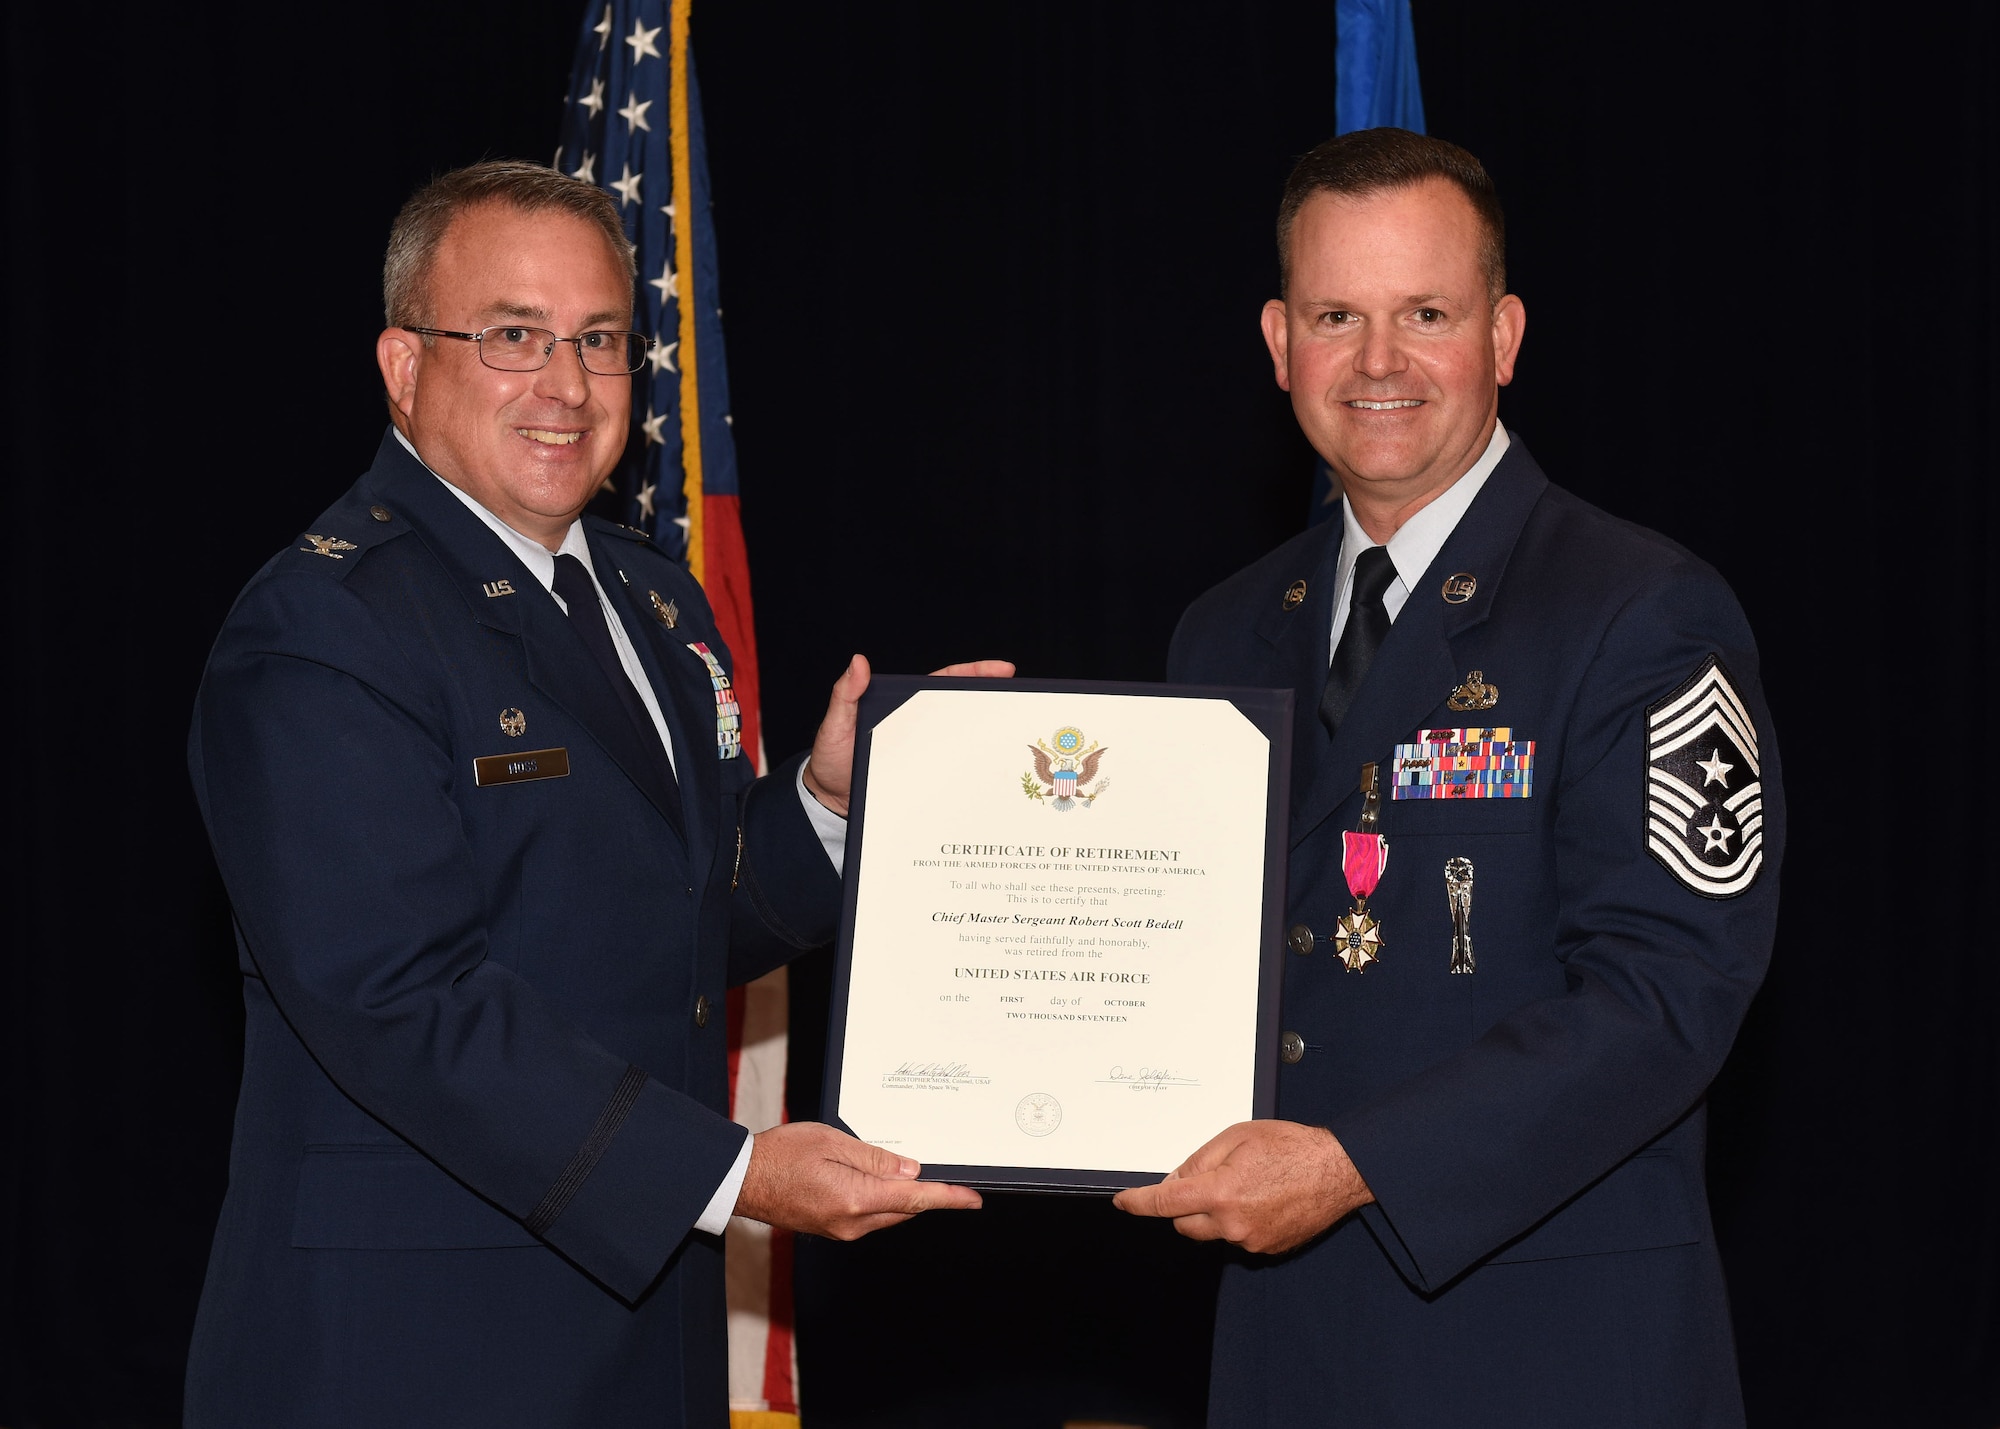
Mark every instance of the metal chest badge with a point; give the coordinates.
(1357, 939)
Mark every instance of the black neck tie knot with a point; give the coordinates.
(1367, 626)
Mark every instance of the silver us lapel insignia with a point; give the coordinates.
(1474, 694)
(664, 611)
(328, 546)
(1704, 799)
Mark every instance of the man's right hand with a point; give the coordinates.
(809, 1177)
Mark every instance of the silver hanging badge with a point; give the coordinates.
(1458, 887)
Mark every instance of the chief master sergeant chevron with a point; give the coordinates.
(470, 767)
(1484, 1204)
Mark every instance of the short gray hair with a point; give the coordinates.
(431, 210)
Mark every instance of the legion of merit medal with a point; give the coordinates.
(1357, 939)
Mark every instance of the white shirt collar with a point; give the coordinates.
(1417, 542)
(539, 559)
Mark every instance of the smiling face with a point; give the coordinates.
(1390, 344)
(531, 447)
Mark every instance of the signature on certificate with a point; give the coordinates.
(1151, 1077)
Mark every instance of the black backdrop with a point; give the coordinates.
(991, 279)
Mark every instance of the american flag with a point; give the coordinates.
(633, 127)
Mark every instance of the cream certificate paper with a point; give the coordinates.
(1056, 929)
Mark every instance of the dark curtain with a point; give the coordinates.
(991, 279)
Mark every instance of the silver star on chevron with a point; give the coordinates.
(1716, 768)
(1717, 837)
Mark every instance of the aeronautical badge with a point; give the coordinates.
(728, 713)
(1064, 769)
(1704, 801)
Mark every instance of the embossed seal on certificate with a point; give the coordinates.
(1038, 1113)
(1066, 768)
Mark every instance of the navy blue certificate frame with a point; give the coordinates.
(1271, 712)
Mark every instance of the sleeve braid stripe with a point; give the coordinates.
(589, 1154)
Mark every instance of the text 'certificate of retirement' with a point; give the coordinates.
(1059, 953)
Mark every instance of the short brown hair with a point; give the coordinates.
(431, 210)
(1368, 161)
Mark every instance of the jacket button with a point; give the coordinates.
(1300, 940)
(701, 1008)
(1291, 1048)
(380, 513)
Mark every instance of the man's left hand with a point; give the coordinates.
(1266, 1186)
(830, 771)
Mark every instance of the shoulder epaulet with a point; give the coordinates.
(348, 529)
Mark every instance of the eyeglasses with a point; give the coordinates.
(528, 349)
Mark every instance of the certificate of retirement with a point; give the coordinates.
(1059, 953)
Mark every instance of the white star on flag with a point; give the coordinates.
(628, 186)
(594, 100)
(662, 357)
(652, 426)
(634, 112)
(602, 29)
(669, 283)
(668, 210)
(641, 41)
(646, 500)
(587, 170)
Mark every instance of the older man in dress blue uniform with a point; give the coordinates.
(1484, 1201)
(470, 765)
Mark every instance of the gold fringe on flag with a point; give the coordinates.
(681, 144)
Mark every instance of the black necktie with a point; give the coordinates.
(1367, 626)
(586, 617)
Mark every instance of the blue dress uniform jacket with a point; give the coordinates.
(1539, 1252)
(483, 1095)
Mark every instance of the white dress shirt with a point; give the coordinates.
(1415, 544)
(831, 827)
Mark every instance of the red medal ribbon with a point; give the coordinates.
(1363, 860)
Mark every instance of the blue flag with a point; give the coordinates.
(619, 132)
(1375, 79)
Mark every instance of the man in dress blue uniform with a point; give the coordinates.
(1513, 969)
(472, 772)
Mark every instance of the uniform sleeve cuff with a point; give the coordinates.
(831, 827)
(722, 1205)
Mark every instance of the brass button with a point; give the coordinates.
(380, 513)
(1291, 1048)
(701, 1009)
(1300, 940)
(1294, 595)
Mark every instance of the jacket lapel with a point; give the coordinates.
(1415, 671)
(1297, 641)
(686, 702)
(554, 660)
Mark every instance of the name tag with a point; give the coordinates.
(515, 768)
